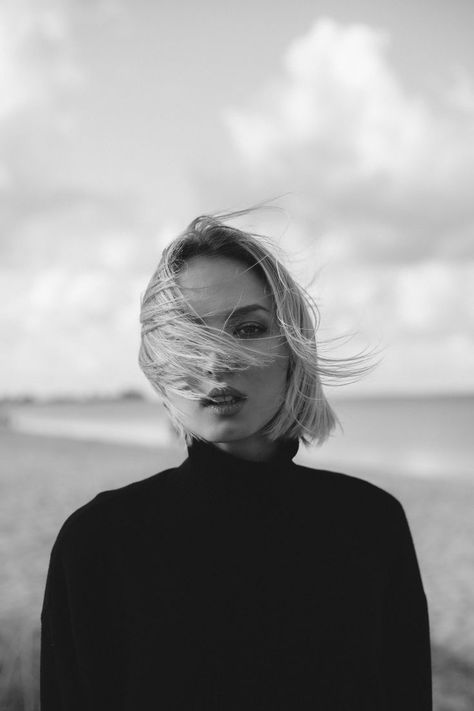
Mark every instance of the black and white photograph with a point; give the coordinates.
(237, 355)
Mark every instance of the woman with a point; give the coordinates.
(237, 580)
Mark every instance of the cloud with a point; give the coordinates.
(69, 257)
(385, 172)
(428, 299)
(73, 266)
(39, 75)
(461, 93)
(383, 216)
(36, 54)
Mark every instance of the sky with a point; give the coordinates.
(120, 122)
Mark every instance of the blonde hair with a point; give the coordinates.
(175, 348)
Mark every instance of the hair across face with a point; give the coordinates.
(227, 296)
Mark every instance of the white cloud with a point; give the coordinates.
(39, 74)
(77, 269)
(419, 299)
(387, 170)
(339, 96)
(461, 93)
(68, 331)
(384, 216)
(435, 298)
(35, 54)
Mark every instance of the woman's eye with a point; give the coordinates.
(249, 330)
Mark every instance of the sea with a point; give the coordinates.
(424, 436)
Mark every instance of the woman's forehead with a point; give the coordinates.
(216, 284)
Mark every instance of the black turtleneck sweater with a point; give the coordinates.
(230, 585)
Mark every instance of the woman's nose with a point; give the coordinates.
(215, 364)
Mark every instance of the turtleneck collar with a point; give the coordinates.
(219, 481)
(207, 455)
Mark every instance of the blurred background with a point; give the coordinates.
(119, 123)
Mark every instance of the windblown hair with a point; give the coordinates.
(176, 347)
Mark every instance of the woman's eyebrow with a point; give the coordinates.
(234, 312)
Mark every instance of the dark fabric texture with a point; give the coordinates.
(230, 585)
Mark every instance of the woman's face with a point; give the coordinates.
(221, 286)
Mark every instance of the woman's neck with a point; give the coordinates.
(255, 449)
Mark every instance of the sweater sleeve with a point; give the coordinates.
(406, 656)
(82, 642)
(61, 686)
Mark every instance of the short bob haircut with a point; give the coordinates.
(175, 348)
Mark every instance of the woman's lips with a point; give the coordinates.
(226, 408)
(217, 393)
(209, 402)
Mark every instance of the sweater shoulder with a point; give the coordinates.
(113, 509)
(349, 491)
(354, 507)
